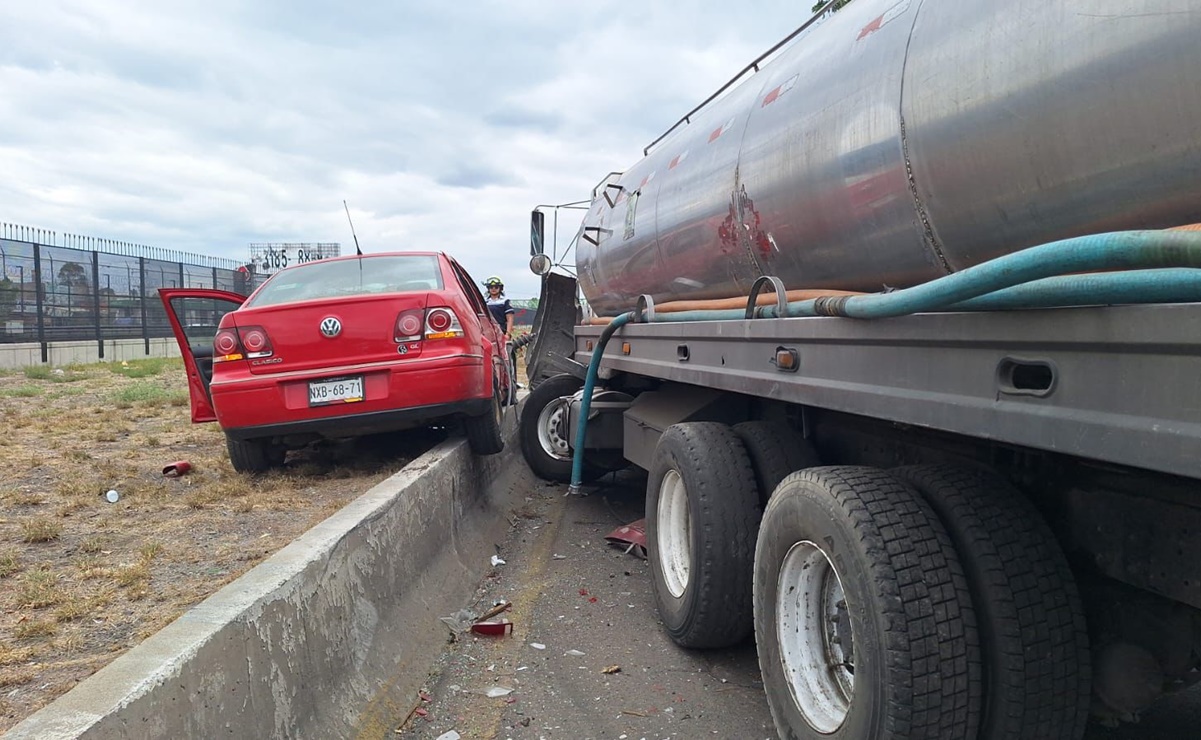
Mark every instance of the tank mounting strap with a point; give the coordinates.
(644, 309)
(781, 296)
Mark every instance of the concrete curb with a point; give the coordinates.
(330, 637)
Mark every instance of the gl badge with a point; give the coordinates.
(330, 327)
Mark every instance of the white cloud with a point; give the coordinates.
(203, 126)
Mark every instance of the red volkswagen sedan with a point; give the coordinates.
(341, 348)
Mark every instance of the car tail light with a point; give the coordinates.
(442, 323)
(226, 347)
(255, 341)
(408, 326)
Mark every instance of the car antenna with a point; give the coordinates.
(357, 251)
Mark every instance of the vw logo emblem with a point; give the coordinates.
(331, 327)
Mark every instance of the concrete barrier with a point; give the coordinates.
(28, 354)
(330, 637)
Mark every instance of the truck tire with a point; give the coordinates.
(541, 433)
(776, 450)
(702, 509)
(863, 619)
(484, 434)
(1032, 630)
(254, 455)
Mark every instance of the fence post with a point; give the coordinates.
(142, 303)
(41, 302)
(96, 301)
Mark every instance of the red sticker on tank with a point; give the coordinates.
(774, 94)
(889, 15)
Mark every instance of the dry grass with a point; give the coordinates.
(83, 580)
(40, 529)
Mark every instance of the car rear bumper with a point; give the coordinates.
(354, 425)
(396, 396)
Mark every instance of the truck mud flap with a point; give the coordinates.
(557, 315)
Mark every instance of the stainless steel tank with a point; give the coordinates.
(899, 140)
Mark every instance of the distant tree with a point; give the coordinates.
(834, 7)
(73, 274)
(74, 278)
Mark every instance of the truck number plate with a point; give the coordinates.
(336, 390)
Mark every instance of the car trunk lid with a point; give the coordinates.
(332, 333)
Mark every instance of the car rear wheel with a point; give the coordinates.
(254, 455)
(484, 432)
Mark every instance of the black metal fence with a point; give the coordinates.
(65, 287)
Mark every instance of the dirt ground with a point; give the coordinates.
(83, 580)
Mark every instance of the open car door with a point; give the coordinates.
(194, 314)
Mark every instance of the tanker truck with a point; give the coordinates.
(903, 326)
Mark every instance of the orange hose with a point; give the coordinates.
(721, 304)
(763, 299)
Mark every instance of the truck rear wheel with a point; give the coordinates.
(1032, 629)
(702, 508)
(776, 450)
(863, 619)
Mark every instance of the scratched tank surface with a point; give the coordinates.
(900, 140)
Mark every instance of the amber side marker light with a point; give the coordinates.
(787, 360)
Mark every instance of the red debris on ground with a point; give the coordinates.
(632, 536)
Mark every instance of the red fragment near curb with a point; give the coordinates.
(493, 629)
(632, 535)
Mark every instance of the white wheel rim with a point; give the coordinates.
(674, 533)
(820, 678)
(552, 434)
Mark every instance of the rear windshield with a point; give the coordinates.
(363, 276)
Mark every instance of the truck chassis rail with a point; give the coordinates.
(1118, 384)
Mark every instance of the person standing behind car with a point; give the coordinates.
(502, 311)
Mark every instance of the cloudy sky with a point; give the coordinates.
(206, 125)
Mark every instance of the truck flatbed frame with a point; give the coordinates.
(1115, 384)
